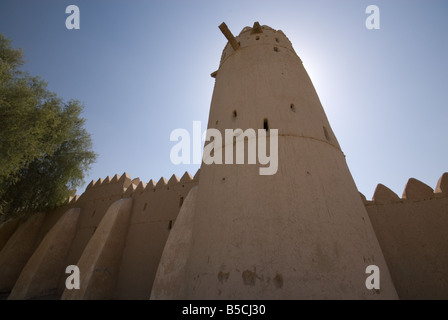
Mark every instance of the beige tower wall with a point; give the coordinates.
(413, 234)
(302, 233)
(172, 276)
(154, 214)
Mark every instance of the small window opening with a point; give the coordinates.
(170, 225)
(292, 107)
(216, 122)
(276, 40)
(234, 114)
(145, 206)
(257, 38)
(276, 49)
(181, 201)
(266, 125)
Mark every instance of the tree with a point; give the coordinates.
(44, 148)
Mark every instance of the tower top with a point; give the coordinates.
(256, 28)
(250, 36)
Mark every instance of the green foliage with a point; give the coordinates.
(44, 148)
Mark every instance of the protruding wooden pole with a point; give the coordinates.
(226, 32)
(256, 28)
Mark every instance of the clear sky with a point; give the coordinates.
(142, 69)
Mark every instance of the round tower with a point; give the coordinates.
(300, 233)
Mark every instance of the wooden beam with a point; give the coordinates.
(256, 28)
(226, 32)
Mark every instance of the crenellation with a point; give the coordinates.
(173, 180)
(98, 183)
(115, 179)
(256, 28)
(129, 191)
(416, 190)
(186, 177)
(412, 234)
(251, 36)
(151, 185)
(106, 181)
(442, 184)
(91, 184)
(141, 187)
(161, 183)
(384, 195)
(74, 200)
(125, 179)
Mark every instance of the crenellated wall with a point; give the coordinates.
(154, 213)
(117, 229)
(116, 246)
(413, 234)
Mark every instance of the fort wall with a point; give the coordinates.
(413, 234)
(411, 231)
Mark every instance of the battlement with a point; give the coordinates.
(411, 230)
(151, 186)
(256, 35)
(125, 179)
(414, 191)
(126, 187)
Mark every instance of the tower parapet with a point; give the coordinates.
(255, 36)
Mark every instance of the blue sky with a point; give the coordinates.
(142, 69)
